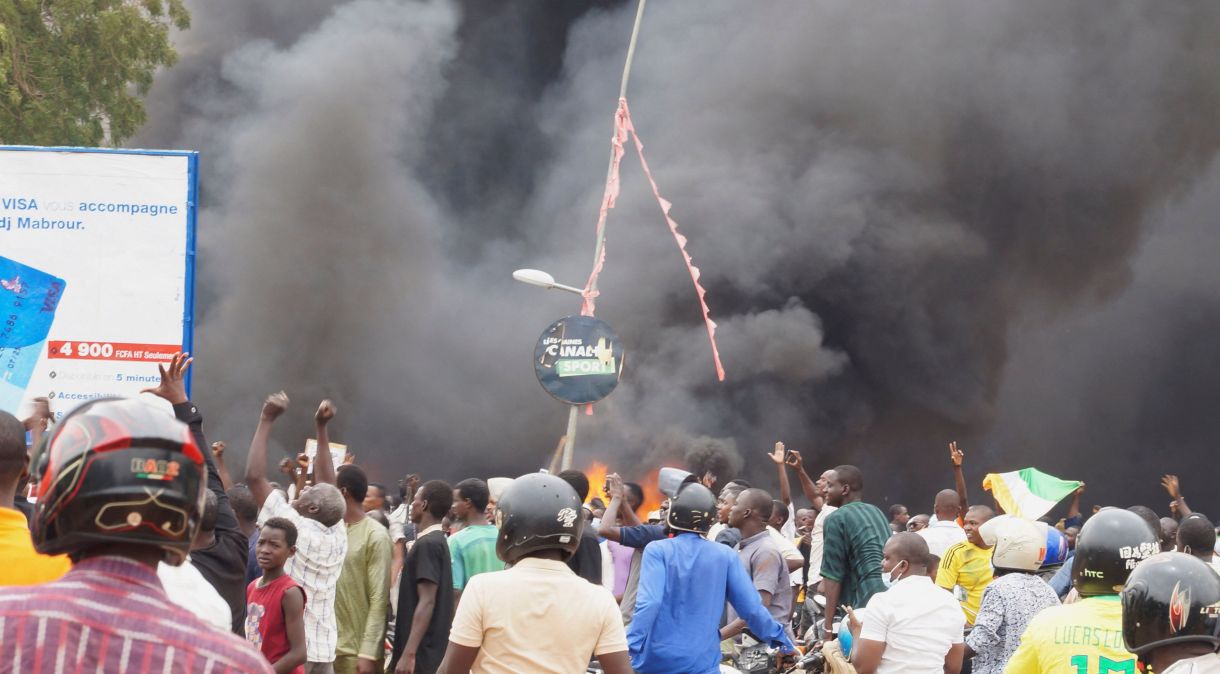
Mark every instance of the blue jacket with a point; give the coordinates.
(684, 582)
(1061, 582)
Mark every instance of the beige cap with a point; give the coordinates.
(497, 485)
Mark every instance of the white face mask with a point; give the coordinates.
(889, 579)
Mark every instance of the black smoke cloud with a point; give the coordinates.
(902, 215)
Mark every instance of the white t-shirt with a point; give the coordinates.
(790, 552)
(789, 528)
(1203, 664)
(187, 588)
(815, 544)
(537, 617)
(316, 567)
(918, 622)
(398, 522)
(942, 535)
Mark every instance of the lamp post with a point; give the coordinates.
(537, 277)
(542, 279)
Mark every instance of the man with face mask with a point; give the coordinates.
(913, 626)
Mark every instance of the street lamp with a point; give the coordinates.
(540, 278)
(537, 277)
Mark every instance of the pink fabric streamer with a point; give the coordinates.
(609, 196)
(623, 126)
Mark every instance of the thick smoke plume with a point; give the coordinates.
(901, 213)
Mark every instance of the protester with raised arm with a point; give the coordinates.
(816, 493)
(222, 560)
(779, 457)
(218, 455)
(632, 535)
(1171, 485)
(956, 457)
(110, 612)
(317, 513)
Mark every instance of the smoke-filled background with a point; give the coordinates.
(990, 222)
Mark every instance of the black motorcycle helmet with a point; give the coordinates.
(1108, 547)
(1170, 598)
(118, 470)
(693, 509)
(538, 512)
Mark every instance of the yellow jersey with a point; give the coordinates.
(20, 564)
(1081, 638)
(969, 566)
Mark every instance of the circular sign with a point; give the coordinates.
(578, 360)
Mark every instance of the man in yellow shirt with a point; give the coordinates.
(1087, 637)
(968, 564)
(20, 564)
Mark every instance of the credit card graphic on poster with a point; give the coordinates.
(29, 298)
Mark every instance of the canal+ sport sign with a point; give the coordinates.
(578, 360)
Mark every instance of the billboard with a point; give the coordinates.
(97, 260)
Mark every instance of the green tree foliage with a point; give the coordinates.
(73, 72)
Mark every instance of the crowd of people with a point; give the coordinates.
(127, 546)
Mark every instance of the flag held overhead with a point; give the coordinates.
(1029, 492)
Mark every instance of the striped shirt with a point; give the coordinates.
(855, 535)
(110, 614)
(316, 565)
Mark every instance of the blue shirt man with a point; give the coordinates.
(684, 582)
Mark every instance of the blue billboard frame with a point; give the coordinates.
(192, 210)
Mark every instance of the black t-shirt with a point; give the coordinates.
(223, 564)
(427, 560)
(587, 562)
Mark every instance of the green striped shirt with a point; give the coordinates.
(853, 539)
(473, 550)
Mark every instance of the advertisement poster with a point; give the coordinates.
(96, 271)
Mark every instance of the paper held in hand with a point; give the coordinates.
(337, 452)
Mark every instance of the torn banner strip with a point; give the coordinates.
(623, 126)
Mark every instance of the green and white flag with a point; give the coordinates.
(1028, 493)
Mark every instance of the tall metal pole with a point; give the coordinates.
(573, 413)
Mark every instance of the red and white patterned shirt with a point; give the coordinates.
(110, 614)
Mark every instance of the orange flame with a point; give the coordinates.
(597, 480)
(597, 472)
(652, 495)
